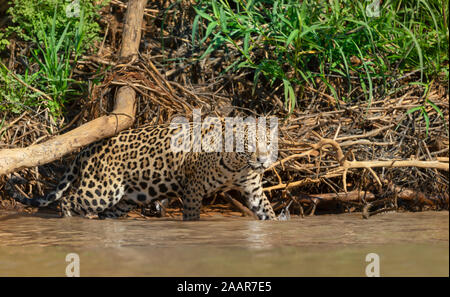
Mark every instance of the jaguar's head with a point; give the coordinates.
(256, 152)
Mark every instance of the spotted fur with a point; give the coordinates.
(113, 176)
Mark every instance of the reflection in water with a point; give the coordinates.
(326, 245)
(258, 237)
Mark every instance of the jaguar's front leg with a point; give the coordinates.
(191, 207)
(192, 195)
(257, 201)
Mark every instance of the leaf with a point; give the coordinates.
(427, 121)
(249, 5)
(209, 29)
(414, 109)
(435, 107)
(195, 28)
(211, 48)
(232, 65)
(292, 99)
(203, 14)
(223, 20)
(62, 38)
(418, 48)
(294, 34)
(289, 95)
(243, 64)
(286, 85)
(255, 79)
(215, 10)
(246, 41)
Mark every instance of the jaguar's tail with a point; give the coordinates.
(41, 201)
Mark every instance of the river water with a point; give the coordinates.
(408, 244)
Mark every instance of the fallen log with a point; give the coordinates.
(352, 196)
(243, 209)
(121, 117)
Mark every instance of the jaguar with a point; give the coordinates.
(113, 176)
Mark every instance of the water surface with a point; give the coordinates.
(408, 244)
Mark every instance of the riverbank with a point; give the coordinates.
(356, 138)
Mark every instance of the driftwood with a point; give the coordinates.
(410, 195)
(242, 208)
(345, 165)
(120, 118)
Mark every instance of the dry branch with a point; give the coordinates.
(352, 196)
(397, 163)
(121, 117)
(247, 212)
(345, 165)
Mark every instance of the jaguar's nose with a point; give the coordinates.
(264, 161)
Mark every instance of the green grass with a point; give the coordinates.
(297, 43)
(56, 56)
(26, 16)
(15, 96)
(422, 109)
(58, 40)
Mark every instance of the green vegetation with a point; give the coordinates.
(54, 60)
(297, 43)
(15, 95)
(58, 40)
(28, 16)
(422, 109)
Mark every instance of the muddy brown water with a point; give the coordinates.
(408, 244)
